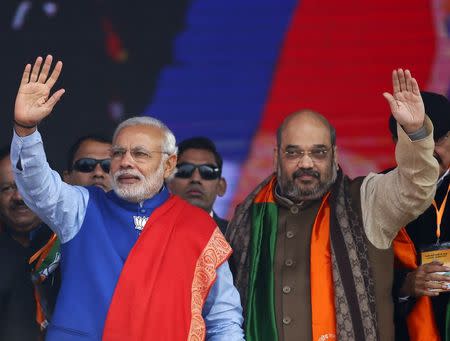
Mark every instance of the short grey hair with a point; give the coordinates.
(169, 143)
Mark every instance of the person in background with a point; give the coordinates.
(89, 162)
(420, 299)
(198, 178)
(27, 292)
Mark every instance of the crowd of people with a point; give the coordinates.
(126, 245)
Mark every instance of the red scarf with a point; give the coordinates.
(167, 277)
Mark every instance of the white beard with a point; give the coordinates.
(144, 189)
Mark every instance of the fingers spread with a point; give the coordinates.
(26, 75)
(415, 87)
(391, 100)
(44, 73)
(55, 98)
(36, 68)
(55, 74)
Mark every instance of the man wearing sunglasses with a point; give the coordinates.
(89, 162)
(137, 263)
(198, 178)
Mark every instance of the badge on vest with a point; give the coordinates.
(139, 222)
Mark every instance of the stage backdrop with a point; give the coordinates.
(230, 70)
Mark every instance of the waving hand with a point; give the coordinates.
(33, 102)
(406, 103)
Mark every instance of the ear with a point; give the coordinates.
(335, 157)
(66, 176)
(275, 159)
(169, 165)
(221, 187)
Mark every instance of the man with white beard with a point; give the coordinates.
(137, 263)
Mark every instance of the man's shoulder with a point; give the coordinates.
(222, 223)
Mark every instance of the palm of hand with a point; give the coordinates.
(31, 102)
(409, 109)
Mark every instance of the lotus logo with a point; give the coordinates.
(139, 222)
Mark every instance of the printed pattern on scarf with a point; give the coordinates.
(353, 284)
(351, 228)
(215, 253)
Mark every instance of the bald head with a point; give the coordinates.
(305, 157)
(306, 116)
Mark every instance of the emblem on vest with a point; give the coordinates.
(139, 222)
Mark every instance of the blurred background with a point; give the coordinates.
(229, 70)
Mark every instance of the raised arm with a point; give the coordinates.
(61, 206)
(390, 201)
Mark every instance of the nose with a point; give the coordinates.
(16, 195)
(98, 171)
(196, 175)
(126, 161)
(305, 162)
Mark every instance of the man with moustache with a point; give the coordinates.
(312, 257)
(421, 296)
(198, 178)
(132, 267)
(24, 235)
(89, 162)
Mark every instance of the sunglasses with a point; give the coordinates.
(87, 165)
(207, 172)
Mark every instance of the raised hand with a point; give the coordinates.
(406, 103)
(33, 102)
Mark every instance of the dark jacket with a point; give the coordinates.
(17, 301)
(422, 232)
(222, 223)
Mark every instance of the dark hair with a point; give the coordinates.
(4, 152)
(437, 107)
(74, 147)
(200, 142)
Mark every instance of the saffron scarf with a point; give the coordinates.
(420, 321)
(44, 262)
(167, 277)
(340, 270)
(260, 317)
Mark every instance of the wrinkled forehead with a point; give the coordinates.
(139, 136)
(305, 132)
